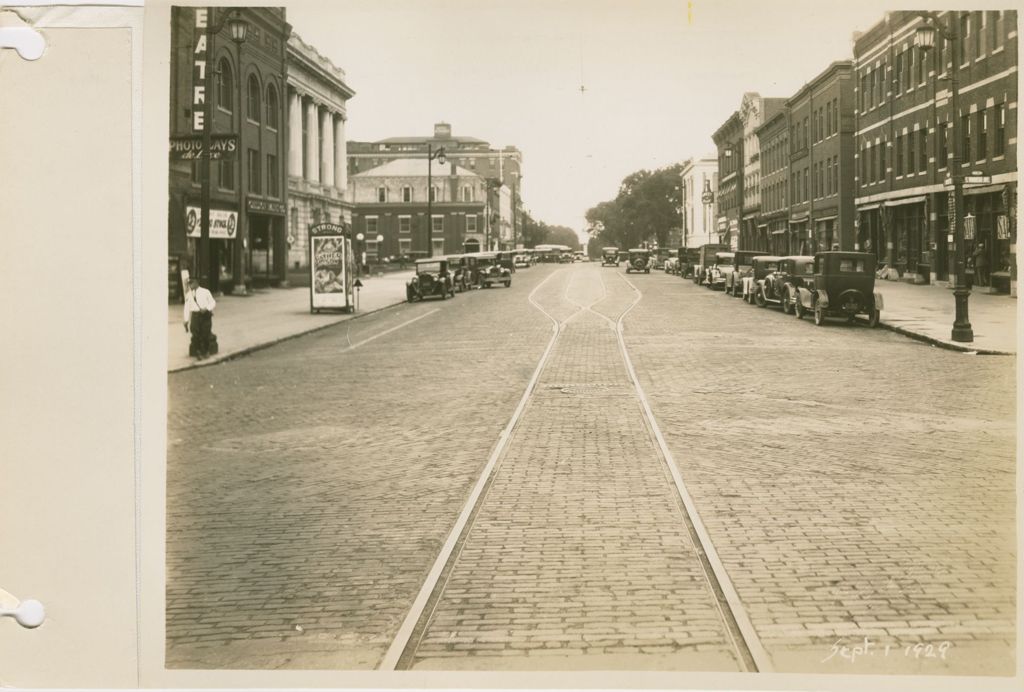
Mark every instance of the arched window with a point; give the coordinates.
(272, 107)
(253, 106)
(225, 85)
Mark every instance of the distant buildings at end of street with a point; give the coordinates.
(499, 169)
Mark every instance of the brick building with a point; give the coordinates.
(729, 141)
(391, 201)
(903, 142)
(773, 141)
(821, 162)
(317, 167)
(699, 175)
(248, 192)
(754, 109)
(501, 167)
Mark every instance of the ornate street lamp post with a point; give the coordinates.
(440, 156)
(359, 253)
(238, 31)
(238, 28)
(924, 38)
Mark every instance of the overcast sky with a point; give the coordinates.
(659, 75)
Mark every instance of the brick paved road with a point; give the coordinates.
(309, 488)
(856, 483)
(579, 556)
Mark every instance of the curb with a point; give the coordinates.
(257, 347)
(940, 343)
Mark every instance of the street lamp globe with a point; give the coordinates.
(238, 27)
(360, 236)
(380, 238)
(441, 158)
(924, 37)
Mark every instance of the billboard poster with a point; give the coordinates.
(331, 267)
(223, 223)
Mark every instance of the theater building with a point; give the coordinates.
(248, 192)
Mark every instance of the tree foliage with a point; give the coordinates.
(533, 233)
(646, 208)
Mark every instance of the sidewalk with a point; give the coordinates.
(926, 312)
(246, 323)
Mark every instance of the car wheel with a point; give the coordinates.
(408, 295)
(627, 269)
(786, 306)
(873, 318)
(508, 283)
(819, 315)
(647, 271)
(798, 309)
(759, 299)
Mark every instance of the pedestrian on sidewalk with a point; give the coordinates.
(199, 305)
(981, 265)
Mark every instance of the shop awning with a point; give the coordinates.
(826, 218)
(779, 232)
(983, 190)
(904, 200)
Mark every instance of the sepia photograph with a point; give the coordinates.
(636, 336)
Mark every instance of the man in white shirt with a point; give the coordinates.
(199, 305)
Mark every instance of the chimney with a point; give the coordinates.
(442, 131)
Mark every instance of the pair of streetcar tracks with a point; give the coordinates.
(738, 626)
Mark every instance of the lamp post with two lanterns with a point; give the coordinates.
(924, 38)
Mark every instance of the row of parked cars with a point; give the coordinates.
(828, 284)
(442, 277)
(636, 259)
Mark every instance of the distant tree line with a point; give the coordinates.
(646, 209)
(533, 233)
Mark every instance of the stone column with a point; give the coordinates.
(327, 148)
(294, 134)
(312, 142)
(340, 155)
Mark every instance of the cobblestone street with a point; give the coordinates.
(853, 484)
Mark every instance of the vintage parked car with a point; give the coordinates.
(672, 265)
(843, 285)
(760, 287)
(609, 256)
(716, 272)
(458, 266)
(739, 271)
(490, 270)
(432, 279)
(521, 260)
(506, 258)
(794, 272)
(689, 258)
(659, 257)
(639, 260)
(704, 260)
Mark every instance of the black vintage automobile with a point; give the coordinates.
(843, 285)
(459, 268)
(717, 272)
(639, 260)
(507, 259)
(793, 273)
(489, 270)
(760, 286)
(432, 280)
(740, 270)
(689, 258)
(705, 260)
